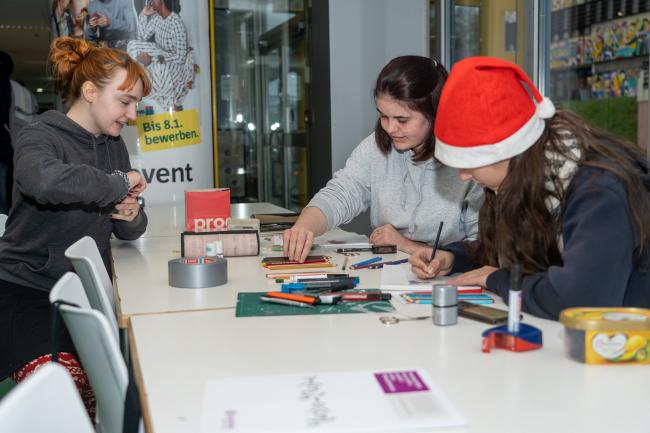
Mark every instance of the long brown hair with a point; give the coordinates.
(74, 61)
(517, 226)
(416, 81)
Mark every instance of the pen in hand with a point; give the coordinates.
(436, 243)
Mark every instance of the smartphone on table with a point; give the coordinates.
(482, 313)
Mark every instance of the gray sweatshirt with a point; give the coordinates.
(413, 197)
(63, 190)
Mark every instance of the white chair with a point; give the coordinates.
(47, 401)
(88, 264)
(98, 351)
(3, 222)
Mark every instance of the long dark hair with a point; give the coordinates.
(417, 81)
(517, 226)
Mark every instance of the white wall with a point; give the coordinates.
(364, 36)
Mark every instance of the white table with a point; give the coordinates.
(141, 279)
(142, 282)
(182, 337)
(537, 391)
(141, 267)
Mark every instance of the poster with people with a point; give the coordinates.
(170, 143)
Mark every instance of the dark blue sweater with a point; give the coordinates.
(600, 258)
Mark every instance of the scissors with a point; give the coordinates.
(393, 320)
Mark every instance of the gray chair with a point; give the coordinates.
(47, 401)
(88, 264)
(98, 350)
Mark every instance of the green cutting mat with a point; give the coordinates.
(249, 305)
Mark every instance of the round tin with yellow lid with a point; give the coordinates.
(607, 335)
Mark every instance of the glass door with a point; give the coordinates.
(497, 28)
(261, 76)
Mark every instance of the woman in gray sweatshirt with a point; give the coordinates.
(393, 172)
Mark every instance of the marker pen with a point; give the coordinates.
(326, 282)
(514, 299)
(329, 278)
(285, 302)
(375, 249)
(321, 286)
(366, 262)
(294, 278)
(305, 299)
(366, 296)
(369, 266)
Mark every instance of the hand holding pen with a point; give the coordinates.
(424, 267)
(437, 264)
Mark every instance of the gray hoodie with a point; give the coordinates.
(411, 196)
(63, 190)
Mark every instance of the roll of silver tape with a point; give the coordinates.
(197, 272)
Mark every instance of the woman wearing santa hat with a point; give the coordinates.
(566, 200)
(393, 172)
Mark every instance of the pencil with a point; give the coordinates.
(345, 263)
(435, 245)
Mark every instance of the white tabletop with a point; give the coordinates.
(143, 288)
(536, 391)
(182, 337)
(142, 281)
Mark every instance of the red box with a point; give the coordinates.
(207, 210)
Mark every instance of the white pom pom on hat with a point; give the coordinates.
(545, 109)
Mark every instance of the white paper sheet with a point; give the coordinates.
(400, 278)
(334, 402)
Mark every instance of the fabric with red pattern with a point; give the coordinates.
(71, 363)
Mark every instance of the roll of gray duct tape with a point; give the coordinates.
(197, 272)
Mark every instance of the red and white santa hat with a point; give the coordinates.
(486, 113)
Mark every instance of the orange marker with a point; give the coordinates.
(311, 300)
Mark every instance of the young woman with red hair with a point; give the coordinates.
(72, 179)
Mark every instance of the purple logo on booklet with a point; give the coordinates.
(401, 381)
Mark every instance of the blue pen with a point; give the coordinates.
(366, 262)
(396, 262)
(471, 301)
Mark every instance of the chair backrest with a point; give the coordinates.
(3, 222)
(47, 401)
(98, 350)
(88, 264)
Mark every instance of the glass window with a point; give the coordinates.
(488, 28)
(261, 100)
(599, 60)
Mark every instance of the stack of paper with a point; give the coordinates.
(361, 401)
